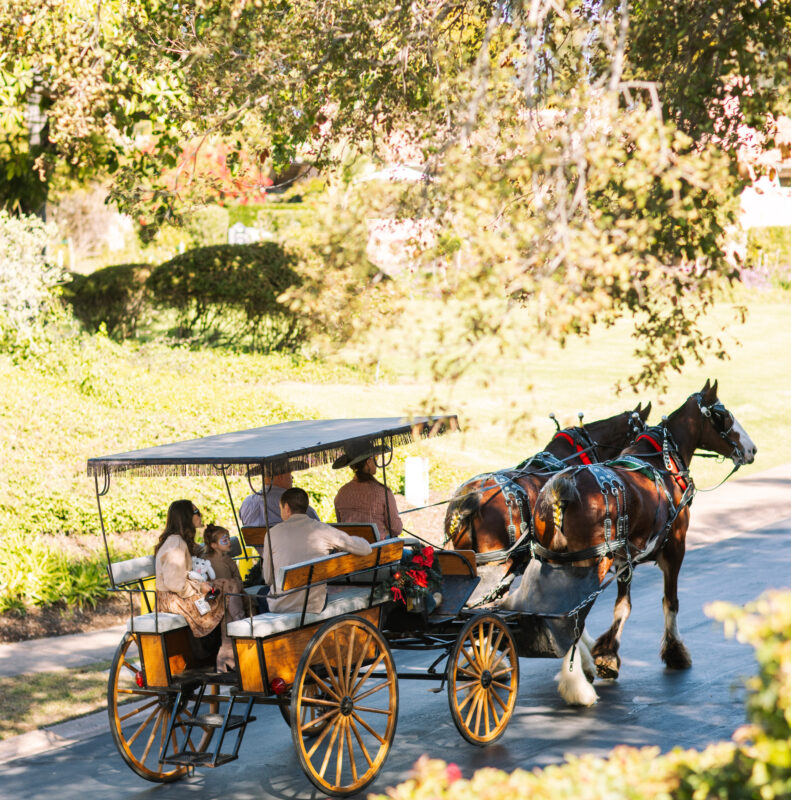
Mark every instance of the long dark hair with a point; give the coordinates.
(179, 522)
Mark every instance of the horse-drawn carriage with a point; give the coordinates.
(332, 674)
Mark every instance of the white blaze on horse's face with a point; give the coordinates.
(745, 447)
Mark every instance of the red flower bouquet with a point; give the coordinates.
(416, 581)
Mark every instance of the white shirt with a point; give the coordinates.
(297, 539)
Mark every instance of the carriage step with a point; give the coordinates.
(187, 758)
(210, 721)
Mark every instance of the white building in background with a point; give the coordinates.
(766, 204)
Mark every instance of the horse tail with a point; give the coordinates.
(558, 493)
(458, 515)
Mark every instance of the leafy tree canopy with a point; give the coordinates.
(579, 155)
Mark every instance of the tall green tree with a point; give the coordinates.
(577, 153)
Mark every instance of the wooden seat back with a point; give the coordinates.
(336, 565)
(256, 534)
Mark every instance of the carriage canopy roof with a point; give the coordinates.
(287, 446)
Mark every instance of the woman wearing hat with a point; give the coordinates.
(364, 499)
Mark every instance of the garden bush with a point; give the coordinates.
(28, 281)
(115, 297)
(756, 765)
(228, 294)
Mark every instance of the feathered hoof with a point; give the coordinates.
(578, 693)
(608, 665)
(675, 655)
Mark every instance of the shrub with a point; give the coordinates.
(114, 296)
(229, 294)
(27, 279)
(208, 225)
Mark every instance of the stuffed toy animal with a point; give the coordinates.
(202, 570)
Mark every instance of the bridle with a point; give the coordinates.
(723, 423)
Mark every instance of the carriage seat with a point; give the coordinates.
(132, 575)
(341, 599)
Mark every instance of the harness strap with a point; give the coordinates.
(583, 456)
(673, 465)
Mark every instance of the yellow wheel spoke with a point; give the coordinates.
(479, 708)
(138, 692)
(495, 647)
(368, 727)
(499, 658)
(142, 727)
(469, 672)
(378, 688)
(317, 701)
(330, 672)
(335, 728)
(364, 678)
(472, 662)
(339, 762)
(372, 710)
(460, 687)
(151, 738)
(319, 740)
(493, 710)
(499, 699)
(501, 685)
(476, 702)
(349, 658)
(324, 688)
(361, 659)
(470, 696)
(350, 749)
(360, 741)
(138, 710)
(341, 676)
(506, 671)
(314, 723)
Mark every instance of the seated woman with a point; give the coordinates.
(180, 593)
(364, 499)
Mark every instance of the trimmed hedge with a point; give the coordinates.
(114, 296)
(229, 293)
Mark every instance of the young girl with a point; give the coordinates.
(217, 550)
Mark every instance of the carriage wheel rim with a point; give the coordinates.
(140, 724)
(359, 705)
(483, 679)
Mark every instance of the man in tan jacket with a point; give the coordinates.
(299, 538)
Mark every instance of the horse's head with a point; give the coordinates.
(720, 431)
(614, 434)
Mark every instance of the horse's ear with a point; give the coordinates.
(645, 412)
(705, 390)
(714, 390)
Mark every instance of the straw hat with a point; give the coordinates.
(357, 452)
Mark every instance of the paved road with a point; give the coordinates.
(647, 706)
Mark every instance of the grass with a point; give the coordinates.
(36, 700)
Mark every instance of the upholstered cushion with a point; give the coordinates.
(340, 600)
(153, 623)
(133, 569)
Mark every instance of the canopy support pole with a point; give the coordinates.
(233, 509)
(105, 489)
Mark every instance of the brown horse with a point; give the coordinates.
(490, 512)
(632, 510)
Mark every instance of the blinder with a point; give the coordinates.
(723, 422)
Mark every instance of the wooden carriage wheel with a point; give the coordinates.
(344, 743)
(483, 679)
(139, 717)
